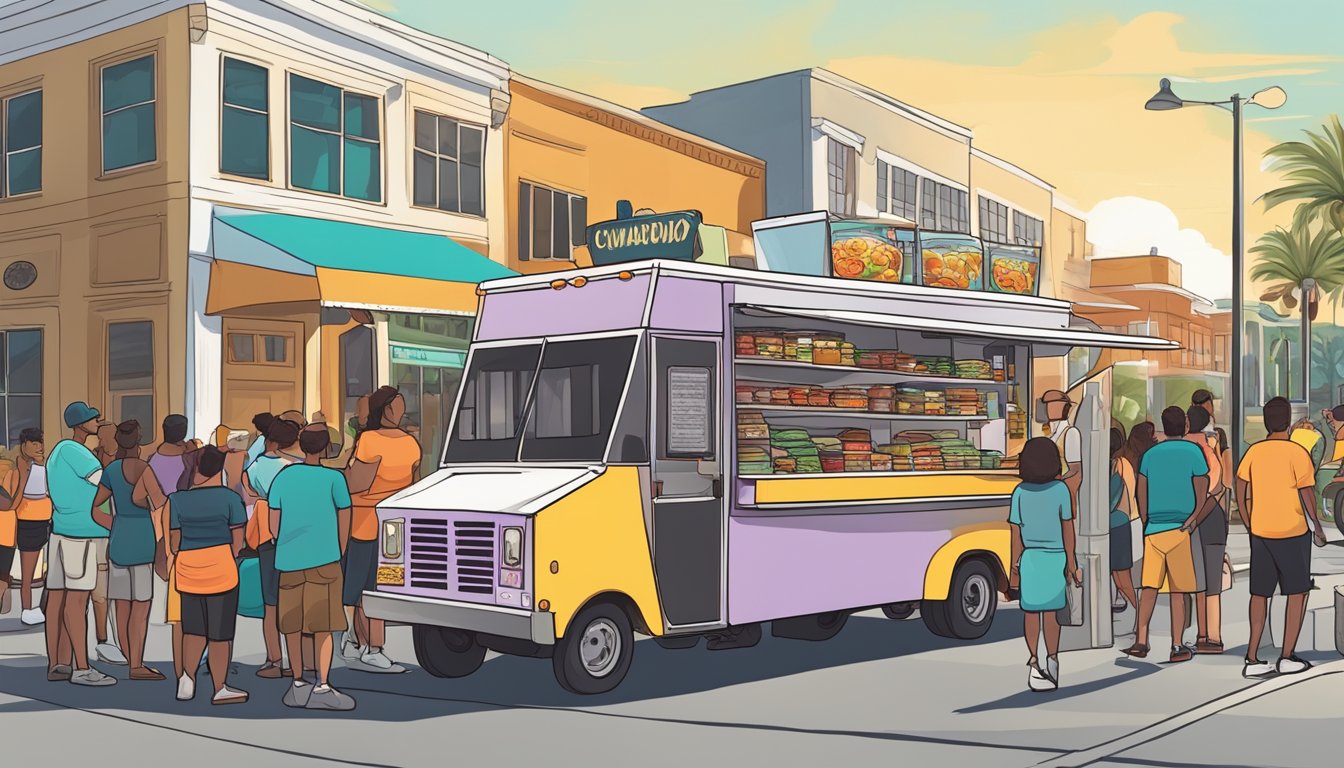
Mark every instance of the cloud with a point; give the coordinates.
(1130, 226)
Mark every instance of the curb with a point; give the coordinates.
(1189, 717)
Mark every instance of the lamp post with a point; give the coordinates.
(1269, 98)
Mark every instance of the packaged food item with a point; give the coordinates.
(856, 440)
(847, 354)
(751, 426)
(819, 398)
(779, 396)
(1012, 269)
(869, 358)
(798, 346)
(832, 461)
(863, 251)
(850, 398)
(786, 465)
(744, 393)
(771, 347)
(798, 396)
(952, 260)
(880, 462)
(858, 462)
(826, 352)
(973, 369)
(745, 344)
(888, 360)
(754, 460)
(762, 395)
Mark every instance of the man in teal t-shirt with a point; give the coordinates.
(1172, 485)
(73, 473)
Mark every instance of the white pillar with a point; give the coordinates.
(1092, 549)
(204, 350)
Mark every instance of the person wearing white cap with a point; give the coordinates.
(1056, 408)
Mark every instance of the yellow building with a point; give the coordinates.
(572, 157)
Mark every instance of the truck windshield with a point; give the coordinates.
(575, 388)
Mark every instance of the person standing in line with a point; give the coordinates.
(130, 484)
(1066, 437)
(73, 473)
(310, 520)
(169, 459)
(281, 438)
(1041, 515)
(1276, 499)
(206, 524)
(1173, 485)
(108, 648)
(26, 486)
(386, 460)
(1142, 437)
(262, 424)
(1121, 495)
(1211, 526)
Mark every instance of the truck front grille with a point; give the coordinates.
(427, 553)
(474, 549)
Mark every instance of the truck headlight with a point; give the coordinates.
(393, 537)
(513, 548)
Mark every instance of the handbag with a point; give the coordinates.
(1071, 615)
(1228, 578)
(1136, 539)
(250, 602)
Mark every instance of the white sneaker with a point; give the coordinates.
(1292, 666)
(374, 660)
(350, 648)
(1257, 669)
(227, 695)
(32, 617)
(1052, 669)
(186, 688)
(92, 678)
(1037, 680)
(110, 654)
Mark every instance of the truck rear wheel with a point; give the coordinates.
(815, 627)
(969, 608)
(447, 652)
(595, 653)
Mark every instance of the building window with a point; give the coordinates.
(20, 384)
(1027, 230)
(21, 144)
(335, 143)
(840, 166)
(128, 114)
(897, 190)
(261, 349)
(943, 207)
(244, 132)
(993, 221)
(130, 374)
(550, 223)
(448, 160)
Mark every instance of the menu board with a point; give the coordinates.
(689, 429)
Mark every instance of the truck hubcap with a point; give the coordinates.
(975, 598)
(600, 647)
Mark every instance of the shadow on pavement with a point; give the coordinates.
(1026, 699)
(503, 682)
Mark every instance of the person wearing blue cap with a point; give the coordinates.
(73, 473)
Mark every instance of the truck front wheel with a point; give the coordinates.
(969, 608)
(595, 653)
(447, 652)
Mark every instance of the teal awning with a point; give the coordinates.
(350, 247)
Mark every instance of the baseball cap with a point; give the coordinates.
(1201, 396)
(80, 412)
(1055, 396)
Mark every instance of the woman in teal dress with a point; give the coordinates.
(1041, 515)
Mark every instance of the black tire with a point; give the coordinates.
(814, 628)
(595, 653)
(446, 652)
(934, 614)
(899, 611)
(969, 609)
(678, 642)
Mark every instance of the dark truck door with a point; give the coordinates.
(688, 498)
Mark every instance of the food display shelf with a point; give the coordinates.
(879, 373)
(853, 413)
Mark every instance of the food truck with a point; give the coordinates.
(688, 450)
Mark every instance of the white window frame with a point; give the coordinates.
(1030, 215)
(4, 143)
(103, 170)
(270, 110)
(532, 217)
(415, 149)
(340, 134)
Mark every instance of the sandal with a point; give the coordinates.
(1137, 651)
(1179, 653)
(271, 670)
(147, 673)
(1208, 647)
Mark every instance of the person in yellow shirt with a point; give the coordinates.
(30, 508)
(1276, 500)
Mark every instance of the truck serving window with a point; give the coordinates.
(579, 386)
(494, 399)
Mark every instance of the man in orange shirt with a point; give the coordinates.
(1276, 499)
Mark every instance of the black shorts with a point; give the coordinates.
(360, 566)
(6, 562)
(1281, 563)
(213, 617)
(1122, 548)
(32, 535)
(270, 578)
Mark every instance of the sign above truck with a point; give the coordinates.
(673, 236)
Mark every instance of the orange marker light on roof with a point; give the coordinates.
(579, 281)
(558, 284)
(626, 275)
(480, 291)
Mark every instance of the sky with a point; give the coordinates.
(1055, 86)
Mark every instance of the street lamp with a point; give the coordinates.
(1269, 98)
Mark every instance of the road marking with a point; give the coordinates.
(1187, 718)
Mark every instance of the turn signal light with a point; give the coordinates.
(558, 284)
(626, 275)
(579, 281)
(543, 605)
(480, 291)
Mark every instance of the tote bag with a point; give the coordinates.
(249, 588)
(1071, 615)
(1136, 539)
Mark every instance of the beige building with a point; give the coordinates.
(241, 206)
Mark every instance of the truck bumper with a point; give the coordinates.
(536, 626)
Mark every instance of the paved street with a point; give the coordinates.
(880, 691)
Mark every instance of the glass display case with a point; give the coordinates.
(952, 260)
(877, 252)
(1014, 269)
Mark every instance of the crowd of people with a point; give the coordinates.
(190, 515)
(1173, 492)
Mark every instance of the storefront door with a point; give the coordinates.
(430, 392)
(262, 369)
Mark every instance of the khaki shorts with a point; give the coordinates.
(310, 600)
(72, 564)
(1168, 558)
(130, 582)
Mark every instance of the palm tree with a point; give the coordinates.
(1304, 259)
(1315, 172)
(1327, 361)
